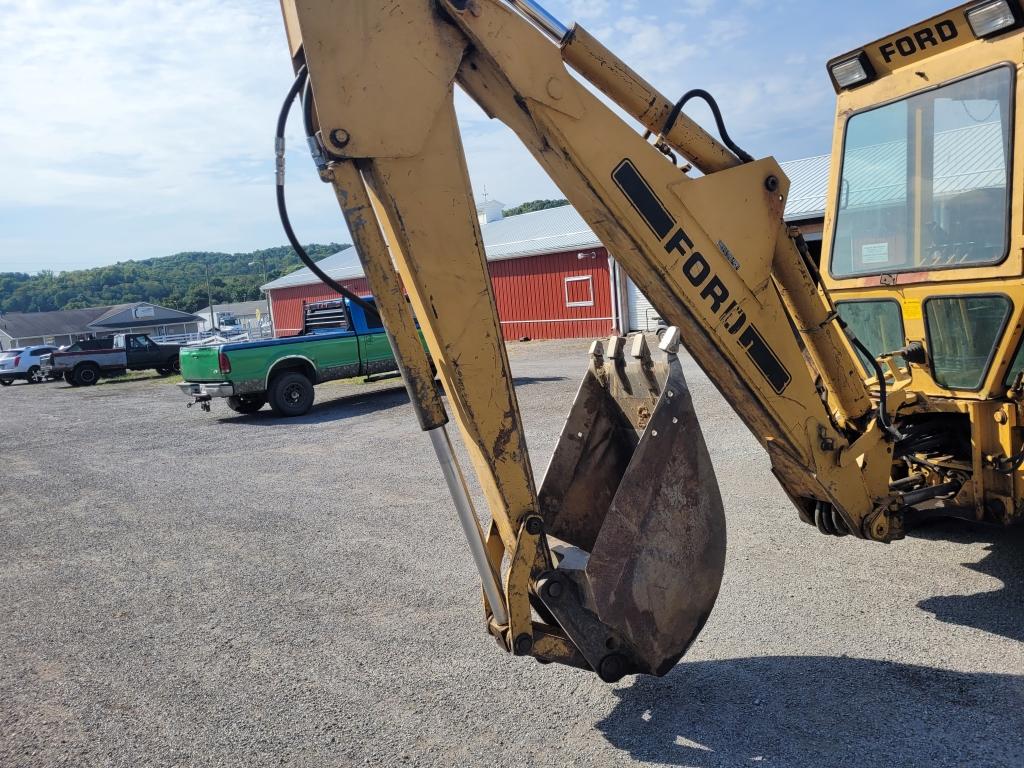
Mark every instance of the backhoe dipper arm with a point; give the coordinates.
(712, 254)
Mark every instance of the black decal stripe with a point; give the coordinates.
(764, 358)
(647, 204)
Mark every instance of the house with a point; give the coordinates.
(63, 327)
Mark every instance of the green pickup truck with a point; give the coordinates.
(338, 342)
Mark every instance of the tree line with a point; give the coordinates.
(183, 281)
(534, 205)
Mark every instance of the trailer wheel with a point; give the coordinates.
(85, 375)
(246, 403)
(291, 394)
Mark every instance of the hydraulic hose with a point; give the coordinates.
(700, 93)
(282, 208)
(881, 414)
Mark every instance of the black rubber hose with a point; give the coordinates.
(1011, 465)
(307, 107)
(881, 415)
(700, 93)
(282, 208)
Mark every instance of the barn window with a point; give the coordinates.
(579, 291)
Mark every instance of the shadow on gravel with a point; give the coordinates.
(822, 712)
(999, 611)
(335, 409)
(524, 381)
(348, 406)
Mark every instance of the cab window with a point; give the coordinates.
(962, 335)
(924, 180)
(373, 322)
(877, 323)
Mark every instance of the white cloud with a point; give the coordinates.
(164, 110)
(133, 129)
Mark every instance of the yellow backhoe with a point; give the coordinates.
(884, 379)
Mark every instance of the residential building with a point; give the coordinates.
(63, 327)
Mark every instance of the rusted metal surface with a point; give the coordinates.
(631, 491)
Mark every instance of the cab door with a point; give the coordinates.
(141, 351)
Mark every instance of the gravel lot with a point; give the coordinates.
(185, 588)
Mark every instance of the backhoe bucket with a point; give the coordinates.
(633, 514)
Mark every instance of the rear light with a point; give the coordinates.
(223, 363)
(17, 361)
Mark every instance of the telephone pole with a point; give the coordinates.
(209, 297)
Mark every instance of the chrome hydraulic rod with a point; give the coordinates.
(470, 523)
(536, 13)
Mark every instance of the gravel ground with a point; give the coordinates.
(184, 588)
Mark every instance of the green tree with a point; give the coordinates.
(534, 205)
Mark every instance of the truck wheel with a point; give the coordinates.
(171, 366)
(34, 375)
(291, 394)
(69, 378)
(246, 403)
(85, 375)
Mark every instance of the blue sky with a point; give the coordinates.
(136, 129)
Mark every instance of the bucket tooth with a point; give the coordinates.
(639, 349)
(634, 515)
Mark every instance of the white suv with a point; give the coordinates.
(22, 364)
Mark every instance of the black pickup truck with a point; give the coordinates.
(85, 363)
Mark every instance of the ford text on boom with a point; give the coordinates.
(699, 274)
(908, 45)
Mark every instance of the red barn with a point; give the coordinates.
(552, 278)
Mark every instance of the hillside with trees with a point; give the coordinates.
(178, 281)
(182, 281)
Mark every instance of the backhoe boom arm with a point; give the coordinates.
(712, 254)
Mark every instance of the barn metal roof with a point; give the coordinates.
(808, 187)
(342, 265)
(530, 234)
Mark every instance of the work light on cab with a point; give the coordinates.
(992, 18)
(854, 71)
